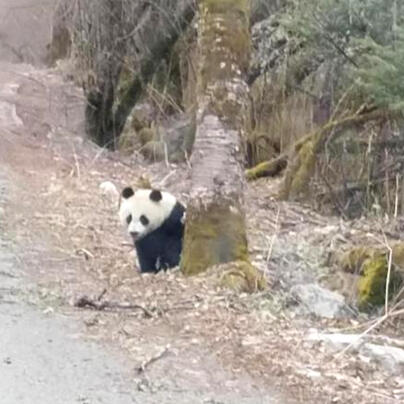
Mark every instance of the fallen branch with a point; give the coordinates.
(334, 127)
(302, 163)
(86, 302)
(267, 168)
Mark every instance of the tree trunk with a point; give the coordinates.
(215, 230)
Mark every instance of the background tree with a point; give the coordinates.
(327, 92)
(364, 39)
(215, 230)
(111, 35)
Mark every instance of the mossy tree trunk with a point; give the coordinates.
(215, 229)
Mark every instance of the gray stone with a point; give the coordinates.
(314, 299)
(391, 358)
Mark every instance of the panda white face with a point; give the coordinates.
(145, 210)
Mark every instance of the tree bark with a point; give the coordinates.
(215, 230)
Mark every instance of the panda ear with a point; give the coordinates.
(127, 192)
(155, 195)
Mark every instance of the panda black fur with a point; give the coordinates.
(154, 220)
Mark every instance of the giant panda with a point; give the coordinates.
(155, 221)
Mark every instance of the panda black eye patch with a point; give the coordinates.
(128, 219)
(144, 220)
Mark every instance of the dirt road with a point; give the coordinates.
(44, 360)
(42, 357)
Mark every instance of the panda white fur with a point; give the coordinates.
(154, 220)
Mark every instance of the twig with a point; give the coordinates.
(336, 201)
(396, 196)
(271, 243)
(389, 268)
(389, 265)
(127, 245)
(86, 302)
(153, 359)
(76, 162)
(360, 336)
(85, 253)
(162, 183)
(187, 160)
(166, 155)
(396, 300)
(102, 294)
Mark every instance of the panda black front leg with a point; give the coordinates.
(147, 262)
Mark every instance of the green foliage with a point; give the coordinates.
(382, 71)
(333, 24)
(367, 36)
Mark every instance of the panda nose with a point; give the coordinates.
(134, 235)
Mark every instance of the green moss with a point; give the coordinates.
(213, 236)
(130, 139)
(398, 257)
(143, 182)
(223, 6)
(127, 142)
(352, 260)
(258, 171)
(146, 135)
(371, 263)
(154, 150)
(372, 283)
(300, 171)
(125, 79)
(242, 276)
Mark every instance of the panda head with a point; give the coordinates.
(144, 210)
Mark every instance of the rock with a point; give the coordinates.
(337, 341)
(314, 299)
(173, 140)
(391, 358)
